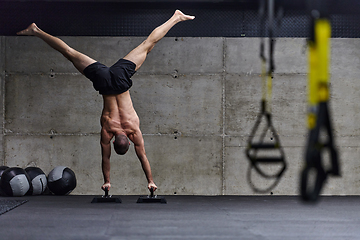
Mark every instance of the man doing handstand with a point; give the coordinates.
(118, 118)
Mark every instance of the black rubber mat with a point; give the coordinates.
(8, 205)
(270, 217)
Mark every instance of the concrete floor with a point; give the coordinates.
(184, 217)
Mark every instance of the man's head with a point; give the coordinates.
(121, 144)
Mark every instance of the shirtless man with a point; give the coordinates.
(118, 118)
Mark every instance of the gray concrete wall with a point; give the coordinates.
(197, 99)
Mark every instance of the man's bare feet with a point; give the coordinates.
(29, 31)
(182, 16)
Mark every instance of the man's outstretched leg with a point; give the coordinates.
(138, 55)
(80, 61)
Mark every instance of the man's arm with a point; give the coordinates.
(138, 141)
(105, 152)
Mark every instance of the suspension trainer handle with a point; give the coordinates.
(318, 114)
(314, 156)
(260, 146)
(254, 147)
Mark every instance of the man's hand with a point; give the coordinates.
(106, 185)
(152, 185)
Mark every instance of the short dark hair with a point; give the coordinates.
(121, 144)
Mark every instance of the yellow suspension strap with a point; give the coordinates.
(320, 138)
(259, 151)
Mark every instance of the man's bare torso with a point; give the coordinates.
(118, 116)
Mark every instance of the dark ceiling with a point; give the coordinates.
(217, 18)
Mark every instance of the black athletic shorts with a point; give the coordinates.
(111, 80)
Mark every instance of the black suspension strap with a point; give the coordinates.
(260, 145)
(320, 140)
